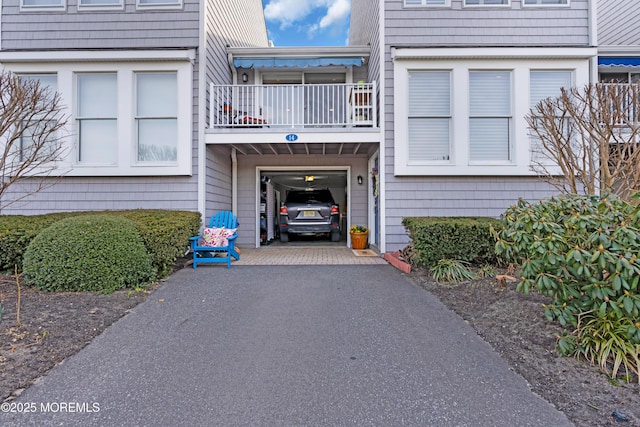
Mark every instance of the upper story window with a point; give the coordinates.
(95, 4)
(546, 2)
(427, 2)
(150, 4)
(42, 4)
(487, 2)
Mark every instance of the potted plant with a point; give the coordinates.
(359, 235)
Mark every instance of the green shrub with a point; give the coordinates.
(582, 251)
(464, 238)
(165, 233)
(88, 253)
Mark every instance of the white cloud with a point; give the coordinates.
(288, 12)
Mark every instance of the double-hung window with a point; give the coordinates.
(545, 84)
(97, 118)
(96, 4)
(49, 83)
(490, 116)
(429, 116)
(157, 117)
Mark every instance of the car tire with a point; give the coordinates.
(335, 236)
(284, 237)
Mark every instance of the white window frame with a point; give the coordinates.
(27, 8)
(177, 4)
(101, 6)
(538, 3)
(427, 3)
(125, 64)
(481, 4)
(461, 61)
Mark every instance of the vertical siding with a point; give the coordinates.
(618, 22)
(123, 29)
(247, 187)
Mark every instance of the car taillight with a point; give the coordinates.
(283, 210)
(334, 209)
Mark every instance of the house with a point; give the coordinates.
(188, 106)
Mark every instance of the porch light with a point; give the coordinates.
(359, 179)
(245, 77)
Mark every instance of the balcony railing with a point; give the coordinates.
(293, 106)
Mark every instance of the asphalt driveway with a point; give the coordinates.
(286, 346)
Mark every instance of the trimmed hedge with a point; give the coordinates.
(100, 253)
(165, 234)
(462, 238)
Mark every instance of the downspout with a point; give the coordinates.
(382, 172)
(234, 181)
(202, 111)
(593, 38)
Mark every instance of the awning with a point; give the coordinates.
(619, 61)
(295, 62)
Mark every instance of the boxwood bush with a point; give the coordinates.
(462, 238)
(88, 253)
(165, 234)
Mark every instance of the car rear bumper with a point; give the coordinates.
(299, 227)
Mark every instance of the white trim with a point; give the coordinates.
(460, 162)
(47, 8)
(201, 161)
(99, 7)
(493, 53)
(382, 172)
(447, 4)
(127, 157)
(177, 5)
(56, 57)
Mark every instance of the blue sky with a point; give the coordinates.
(308, 22)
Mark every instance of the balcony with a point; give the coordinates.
(286, 108)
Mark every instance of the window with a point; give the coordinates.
(97, 112)
(157, 117)
(487, 2)
(42, 4)
(546, 2)
(489, 115)
(542, 85)
(159, 3)
(427, 2)
(47, 81)
(429, 116)
(100, 3)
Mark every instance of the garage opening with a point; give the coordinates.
(303, 206)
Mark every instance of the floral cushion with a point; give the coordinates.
(216, 237)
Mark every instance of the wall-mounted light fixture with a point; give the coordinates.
(245, 77)
(359, 179)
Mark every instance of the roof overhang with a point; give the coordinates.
(298, 57)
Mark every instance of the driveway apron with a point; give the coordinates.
(317, 345)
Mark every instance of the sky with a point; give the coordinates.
(308, 22)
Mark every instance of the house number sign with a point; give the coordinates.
(292, 137)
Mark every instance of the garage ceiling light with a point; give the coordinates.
(309, 178)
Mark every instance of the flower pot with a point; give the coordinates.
(359, 240)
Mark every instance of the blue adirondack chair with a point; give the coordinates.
(211, 254)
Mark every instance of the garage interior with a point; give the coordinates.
(274, 185)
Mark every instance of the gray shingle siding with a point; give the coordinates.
(90, 29)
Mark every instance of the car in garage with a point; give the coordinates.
(310, 211)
